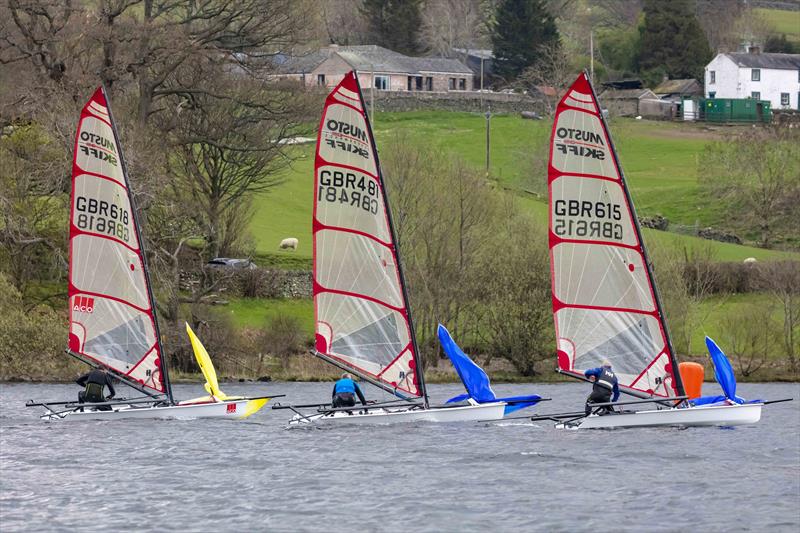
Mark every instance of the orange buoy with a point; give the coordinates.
(692, 375)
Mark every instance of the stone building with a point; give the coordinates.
(377, 67)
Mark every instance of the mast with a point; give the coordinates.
(648, 264)
(134, 214)
(396, 249)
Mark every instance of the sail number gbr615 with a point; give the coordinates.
(582, 219)
(348, 188)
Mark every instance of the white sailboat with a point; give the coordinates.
(605, 301)
(113, 322)
(363, 323)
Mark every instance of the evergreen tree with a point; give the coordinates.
(521, 29)
(394, 24)
(672, 42)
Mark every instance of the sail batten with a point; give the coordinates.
(605, 302)
(112, 316)
(360, 304)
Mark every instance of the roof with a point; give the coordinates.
(375, 58)
(624, 84)
(766, 60)
(625, 94)
(688, 86)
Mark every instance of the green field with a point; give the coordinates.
(660, 160)
(783, 22)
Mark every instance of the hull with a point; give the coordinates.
(468, 413)
(232, 409)
(721, 415)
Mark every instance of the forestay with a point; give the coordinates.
(361, 313)
(111, 313)
(604, 301)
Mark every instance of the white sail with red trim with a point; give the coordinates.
(111, 318)
(604, 301)
(362, 318)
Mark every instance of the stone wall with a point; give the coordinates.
(469, 101)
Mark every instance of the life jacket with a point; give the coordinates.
(606, 379)
(345, 385)
(93, 392)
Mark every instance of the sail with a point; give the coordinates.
(604, 301)
(112, 321)
(361, 313)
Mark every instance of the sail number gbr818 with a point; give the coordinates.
(348, 188)
(580, 219)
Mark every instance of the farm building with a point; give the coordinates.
(760, 76)
(626, 102)
(378, 67)
(677, 90)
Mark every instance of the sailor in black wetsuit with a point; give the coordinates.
(94, 382)
(605, 384)
(345, 391)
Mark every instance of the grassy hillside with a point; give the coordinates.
(660, 160)
(786, 22)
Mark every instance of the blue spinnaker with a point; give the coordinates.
(723, 372)
(475, 379)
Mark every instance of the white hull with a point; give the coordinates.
(388, 415)
(233, 409)
(719, 415)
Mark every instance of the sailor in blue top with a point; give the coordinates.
(345, 391)
(605, 383)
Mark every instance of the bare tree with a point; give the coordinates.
(782, 280)
(449, 24)
(550, 77)
(343, 22)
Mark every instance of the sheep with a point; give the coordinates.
(290, 242)
(750, 260)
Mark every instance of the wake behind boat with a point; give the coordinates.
(113, 322)
(363, 322)
(606, 304)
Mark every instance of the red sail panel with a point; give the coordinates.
(362, 319)
(111, 319)
(604, 302)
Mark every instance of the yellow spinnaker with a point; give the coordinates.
(206, 366)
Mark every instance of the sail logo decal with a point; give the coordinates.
(98, 147)
(580, 219)
(581, 143)
(231, 408)
(348, 188)
(83, 304)
(346, 137)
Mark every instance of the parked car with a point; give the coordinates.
(228, 263)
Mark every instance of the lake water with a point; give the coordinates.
(255, 475)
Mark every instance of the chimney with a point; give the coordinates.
(754, 49)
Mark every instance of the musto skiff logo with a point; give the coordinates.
(346, 137)
(348, 188)
(102, 217)
(581, 143)
(83, 304)
(576, 219)
(99, 147)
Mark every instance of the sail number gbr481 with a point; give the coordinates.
(348, 188)
(577, 219)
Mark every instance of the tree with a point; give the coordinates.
(780, 45)
(449, 24)
(756, 178)
(551, 76)
(520, 30)
(394, 24)
(781, 279)
(672, 42)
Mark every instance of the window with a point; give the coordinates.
(320, 79)
(712, 94)
(451, 85)
(755, 95)
(428, 83)
(462, 84)
(755, 74)
(712, 77)
(798, 101)
(785, 99)
(381, 82)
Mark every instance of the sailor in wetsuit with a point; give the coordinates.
(94, 382)
(345, 391)
(605, 383)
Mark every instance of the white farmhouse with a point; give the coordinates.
(761, 76)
